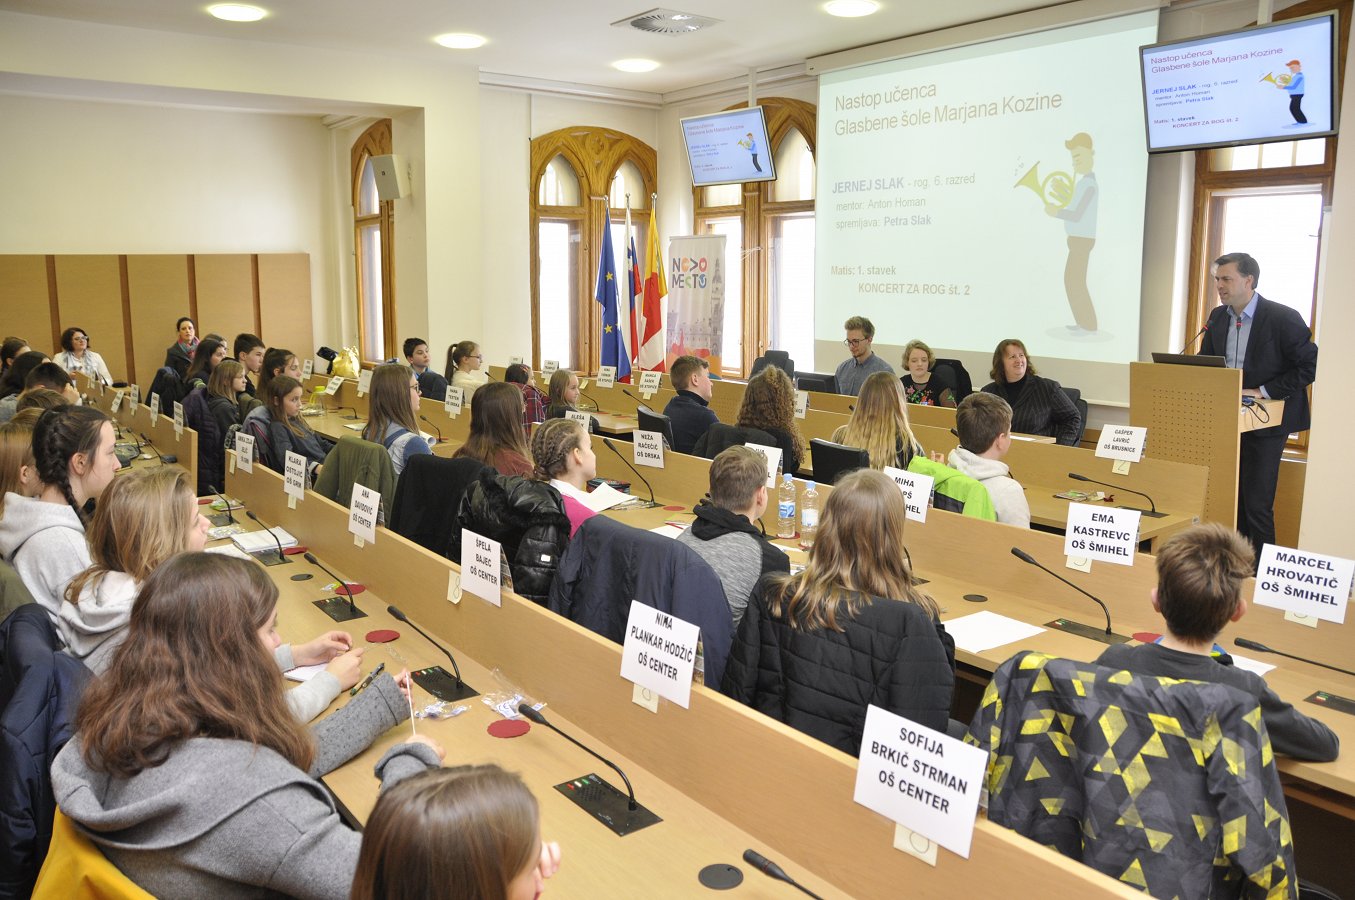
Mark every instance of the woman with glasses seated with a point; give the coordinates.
(75, 356)
(464, 362)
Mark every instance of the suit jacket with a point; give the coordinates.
(1281, 357)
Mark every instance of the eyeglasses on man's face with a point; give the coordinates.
(855, 342)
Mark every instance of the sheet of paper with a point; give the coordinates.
(304, 673)
(604, 496)
(668, 531)
(230, 550)
(982, 631)
(1251, 665)
(356, 426)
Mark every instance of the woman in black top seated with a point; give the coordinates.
(850, 631)
(180, 354)
(1039, 405)
(920, 384)
(769, 405)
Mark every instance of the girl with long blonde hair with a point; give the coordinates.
(879, 424)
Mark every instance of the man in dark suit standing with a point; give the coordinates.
(1275, 351)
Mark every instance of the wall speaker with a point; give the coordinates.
(392, 177)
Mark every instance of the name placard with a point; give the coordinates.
(1309, 584)
(362, 514)
(480, 567)
(649, 449)
(136, 395)
(773, 456)
(550, 367)
(917, 491)
(515, 360)
(178, 419)
(606, 377)
(659, 652)
(154, 404)
(454, 401)
(244, 451)
(294, 477)
(582, 418)
(1102, 533)
(117, 402)
(364, 382)
(801, 404)
(333, 385)
(307, 368)
(650, 381)
(922, 779)
(1122, 442)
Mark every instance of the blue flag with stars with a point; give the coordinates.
(613, 344)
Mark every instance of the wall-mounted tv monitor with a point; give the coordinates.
(728, 147)
(1273, 82)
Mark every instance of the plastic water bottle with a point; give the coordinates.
(785, 526)
(809, 516)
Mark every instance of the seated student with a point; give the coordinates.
(533, 401)
(920, 384)
(188, 770)
(1199, 591)
(211, 410)
(276, 361)
(1039, 405)
(43, 537)
(471, 832)
(690, 410)
(464, 362)
(563, 392)
(563, 452)
(984, 422)
(392, 420)
(879, 424)
(248, 351)
(851, 630)
(769, 405)
(496, 437)
(44, 376)
(18, 468)
(42, 399)
(12, 384)
(208, 356)
(431, 384)
(725, 533)
(75, 356)
(180, 354)
(10, 350)
(277, 427)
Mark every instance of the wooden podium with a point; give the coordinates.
(1193, 415)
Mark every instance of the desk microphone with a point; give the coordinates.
(423, 418)
(229, 517)
(1196, 338)
(652, 502)
(348, 592)
(772, 870)
(146, 442)
(633, 397)
(596, 408)
(1119, 487)
(395, 611)
(271, 533)
(534, 715)
(354, 409)
(1262, 648)
(1027, 558)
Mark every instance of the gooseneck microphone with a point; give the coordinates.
(222, 497)
(632, 396)
(596, 408)
(1194, 339)
(1027, 558)
(423, 418)
(146, 442)
(395, 611)
(534, 715)
(1119, 487)
(282, 557)
(348, 592)
(1262, 648)
(652, 502)
(772, 870)
(340, 408)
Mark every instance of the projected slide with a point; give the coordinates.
(1267, 83)
(728, 147)
(987, 192)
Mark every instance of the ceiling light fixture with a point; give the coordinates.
(635, 65)
(851, 9)
(460, 41)
(237, 12)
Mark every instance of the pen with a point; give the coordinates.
(368, 680)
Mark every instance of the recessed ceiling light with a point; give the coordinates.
(635, 65)
(460, 41)
(237, 12)
(851, 9)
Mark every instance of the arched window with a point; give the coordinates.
(575, 171)
(769, 233)
(373, 247)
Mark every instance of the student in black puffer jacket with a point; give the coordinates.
(851, 630)
(527, 517)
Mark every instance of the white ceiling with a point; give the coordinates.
(559, 40)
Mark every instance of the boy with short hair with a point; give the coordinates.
(690, 410)
(248, 349)
(984, 423)
(724, 533)
(431, 384)
(1199, 591)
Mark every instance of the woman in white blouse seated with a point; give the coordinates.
(75, 356)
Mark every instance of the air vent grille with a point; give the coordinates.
(666, 21)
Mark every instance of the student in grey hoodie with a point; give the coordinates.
(984, 423)
(43, 538)
(144, 518)
(187, 769)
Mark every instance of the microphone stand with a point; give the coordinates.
(1147, 512)
(596, 408)
(772, 870)
(1105, 637)
(435, 679)
(230, 517)
(425, 419)
(651, 502)
(1259, 647)
(282, 557)
(334, 607)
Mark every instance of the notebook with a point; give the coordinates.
(259, 541)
